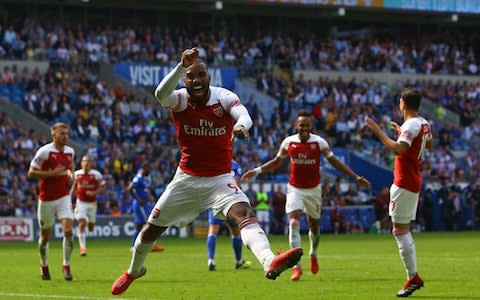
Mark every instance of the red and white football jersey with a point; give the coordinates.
(407, 171)
(204, 132)
(87, 182)
(304, 159)
(48, 158)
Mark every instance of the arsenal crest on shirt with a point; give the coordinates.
(218, 111)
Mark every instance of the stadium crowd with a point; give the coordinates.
(122, 131)
(450, 52)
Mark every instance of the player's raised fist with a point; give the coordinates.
(188, 57)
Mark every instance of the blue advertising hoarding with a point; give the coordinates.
(151, 75)
(458, 6)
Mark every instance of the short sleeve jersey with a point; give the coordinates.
(407, 170)
(304, 159)
(48, 158)
(87, 182)
(204, 132)
(141, 184)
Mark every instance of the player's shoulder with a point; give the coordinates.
(415, 123)
(294, 138)
(96, 173)
(315, 138)
(221, 92)
(79, 172)
(137, 177)
(222, 95)
(47, 148)
(68, 149)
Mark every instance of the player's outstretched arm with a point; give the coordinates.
(269, 166)
(394, 146)
(164, 90)
(347, 171)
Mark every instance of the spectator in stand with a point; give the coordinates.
(381, 204)
(337, 218)
(278, 200)
(262, 208)
(6, 206)
(428, 206)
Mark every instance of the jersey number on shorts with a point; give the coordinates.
(233, 187)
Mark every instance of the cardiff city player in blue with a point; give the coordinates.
(139, 189)
(214, 227)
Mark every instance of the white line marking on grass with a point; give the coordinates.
(58, 296)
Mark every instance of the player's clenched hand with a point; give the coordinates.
(240, 130)
(70, 177)
(396, 127)
(364, 182)
(372, 124)
(58, 171)
(188, 57)
(248, 175)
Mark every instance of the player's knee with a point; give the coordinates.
(240, 211)
(247, 221)
(294, 222)
(67, 232)
(400, 231)
(150, 233)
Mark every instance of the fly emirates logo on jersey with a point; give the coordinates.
(303, 160)
(85, 184)
(206, 128)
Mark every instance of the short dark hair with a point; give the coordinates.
(303, 113)
(411, 98)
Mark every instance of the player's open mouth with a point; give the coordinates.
(198, 90)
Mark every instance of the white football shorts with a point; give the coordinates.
(86, 210)
(403, 205)
(48, 210)
(187, 196)
(307, 200)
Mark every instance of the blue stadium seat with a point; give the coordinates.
(4, 90)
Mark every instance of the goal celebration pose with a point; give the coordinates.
(207, 119)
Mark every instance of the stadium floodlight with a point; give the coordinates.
(341, 11)
(218, 5)
(454, 18)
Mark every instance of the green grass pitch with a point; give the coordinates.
(351, 267)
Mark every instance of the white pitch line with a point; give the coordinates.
(49, 296)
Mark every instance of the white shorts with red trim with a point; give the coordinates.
(86, 211)
(48, 210)
(403, 205)
(187, 196)
(307, 200)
